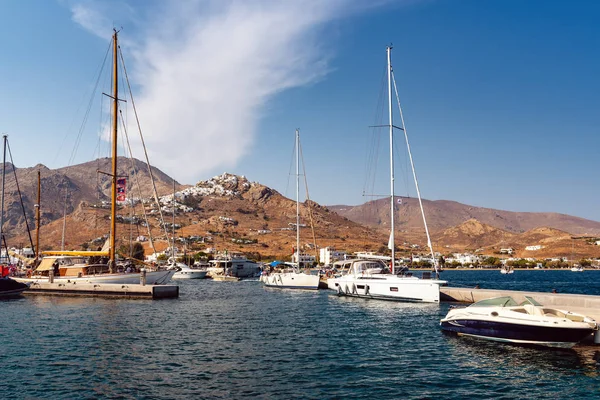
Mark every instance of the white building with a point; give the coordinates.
(306, 260)
(329, 255)
(533, 248)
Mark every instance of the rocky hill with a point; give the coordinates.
(444, 214)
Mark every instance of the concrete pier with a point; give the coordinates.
(578, 303)
(131, 291)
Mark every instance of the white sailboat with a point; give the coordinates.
(294, 278)
(370, 278)
(77, 266)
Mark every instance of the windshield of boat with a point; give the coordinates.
(530, 300)
(368, 266)
(505, 301)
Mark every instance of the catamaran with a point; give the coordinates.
(371, 278)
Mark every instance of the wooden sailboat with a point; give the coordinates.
(77, 265)
(294, 278)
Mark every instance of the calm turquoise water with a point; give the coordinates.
(240, 340)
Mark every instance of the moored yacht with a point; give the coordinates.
(293, 277)
(79, 269)
(235, 265)
(502, 319)
(371, 279)
(184, 271)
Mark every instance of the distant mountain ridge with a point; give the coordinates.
(444, 214)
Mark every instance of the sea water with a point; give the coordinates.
(235, 340)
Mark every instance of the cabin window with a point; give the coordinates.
(393, 289)
(360, 286)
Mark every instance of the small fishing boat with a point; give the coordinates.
(502, 319)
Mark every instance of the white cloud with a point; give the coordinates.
(203, 71)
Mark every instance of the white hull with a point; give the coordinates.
(291, 280)
(152, 278)
(387, 287)
(190, 274)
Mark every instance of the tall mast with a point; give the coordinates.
(2, 197)
(37, 218)
(113, 211)
(298, 196)
(391, 240)
(173, 205)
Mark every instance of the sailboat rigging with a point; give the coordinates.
(294, 279)
(370, 278)
(77, 265)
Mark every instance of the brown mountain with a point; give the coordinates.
(67, 188)
(225, 212)
(444, 214)
(472, 235)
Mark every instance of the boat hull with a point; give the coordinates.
(517, 333)
(392, 287)
(189, 274)
(291, 280)
(10, 287)
(152, 278)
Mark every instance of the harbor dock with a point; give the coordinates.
(578, 303)
(129, 291)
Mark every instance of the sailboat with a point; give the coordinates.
(294, 278)
(8, 287)
(78, 266)
(371, 278)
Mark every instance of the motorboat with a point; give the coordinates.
(577, 268)
(184, 271)
(502, 319)
(371, 279)
(236, 265)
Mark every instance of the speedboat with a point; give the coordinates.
(370, 279)
(186, 272)
(502, 319)
(577, 268)
(507, 270)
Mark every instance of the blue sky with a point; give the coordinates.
(500, 98)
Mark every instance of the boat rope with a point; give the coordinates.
(155, 192)
(309, 204)
(137, 182)
(19, 191)
(415, 177)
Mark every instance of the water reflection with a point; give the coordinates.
(478, 353)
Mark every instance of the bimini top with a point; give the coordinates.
(504, 301)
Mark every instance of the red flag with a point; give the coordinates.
(121, 189)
